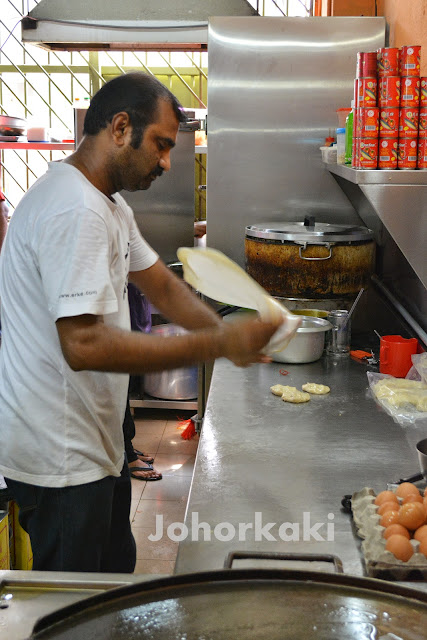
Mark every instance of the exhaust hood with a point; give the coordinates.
(84, 25)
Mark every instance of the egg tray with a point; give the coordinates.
(380, 563)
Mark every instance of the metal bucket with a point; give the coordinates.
(176, 384)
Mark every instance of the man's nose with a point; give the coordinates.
(165, 161)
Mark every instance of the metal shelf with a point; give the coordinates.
(376, 176)
(39, 146)
(155, 403)
(396, 200)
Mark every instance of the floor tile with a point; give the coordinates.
(133, 507)
(155, 566)
(169, 488)
(175, 464)
(175, 444)
(149, 426)
(164, 549)
(138, 487)
(147, 510)
(147, 442)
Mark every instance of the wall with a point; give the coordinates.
(407, 22)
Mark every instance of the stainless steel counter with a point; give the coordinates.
(289, 462)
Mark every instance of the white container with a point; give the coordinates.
(341, 145)
(329, 154)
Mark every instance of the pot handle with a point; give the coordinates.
(299, 557)
(304, 247)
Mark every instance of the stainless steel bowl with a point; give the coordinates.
(10, 126)
(176, 384)
(307, 344)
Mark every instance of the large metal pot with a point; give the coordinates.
(310, 260)
(307, 344)
(247, 604)
(176, 384)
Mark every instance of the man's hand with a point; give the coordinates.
(245, 339)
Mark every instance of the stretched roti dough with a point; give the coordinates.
(292, 394)
(210, 272)
(316, 389)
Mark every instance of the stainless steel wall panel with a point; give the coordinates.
(165, 212)
(274, 85)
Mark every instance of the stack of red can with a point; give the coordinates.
(390, 119)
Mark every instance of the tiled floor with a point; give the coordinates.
(157, 434)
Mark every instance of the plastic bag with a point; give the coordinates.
(405, 400)
(418, 370)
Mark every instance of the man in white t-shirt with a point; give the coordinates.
(67, 347)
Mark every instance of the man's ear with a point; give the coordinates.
(120, 127)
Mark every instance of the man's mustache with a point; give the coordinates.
(158, 171)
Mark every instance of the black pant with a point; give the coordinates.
(80, 528)
(129, 434)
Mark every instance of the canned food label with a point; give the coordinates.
(389, 122)
(408, 122)
(422, 126)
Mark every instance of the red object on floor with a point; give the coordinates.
(189, 429)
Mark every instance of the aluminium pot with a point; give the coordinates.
(175, 384)
(307, 344)
(247, 604)
(310, 260)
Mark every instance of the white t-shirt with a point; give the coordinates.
(68, 252)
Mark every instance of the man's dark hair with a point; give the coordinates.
(137, 94)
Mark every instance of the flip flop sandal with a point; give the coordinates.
(143, 457)
(135, 470)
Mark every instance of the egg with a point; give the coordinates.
(385, 496)
(412, 497)
(411, 515)
(400, 547)
(405, 489)
(386, 506)
(396, 528)
(423, 547)
(420, 533)
(390, 517)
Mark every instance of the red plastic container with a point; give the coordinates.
(395, 355)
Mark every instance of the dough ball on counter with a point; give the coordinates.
(292, 394)
(278, 389)
(316, 389)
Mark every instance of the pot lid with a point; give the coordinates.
(308, 231)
